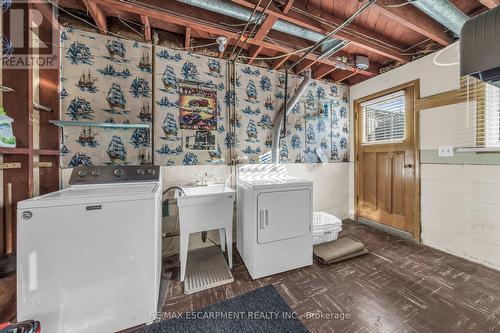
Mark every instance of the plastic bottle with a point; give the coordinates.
(7, 138)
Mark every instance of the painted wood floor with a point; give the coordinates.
(399, 287)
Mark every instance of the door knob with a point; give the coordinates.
(408, 166)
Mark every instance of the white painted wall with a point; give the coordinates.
(460, 204)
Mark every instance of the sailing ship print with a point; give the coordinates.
(79, 53)
(170, 127)
(166, 150)
(79, 108)
(298, 125)
(145, 157)
(109, 120)
(215, 155)
(116, 150)
(190, 159)
(251, 91)
(214, 67)
(249, 110)
(323, 144)
(140, 88)
(235, 120)
(80, 159)
(116, 99)
(109, 70)
(265, 121)
(87, 137)
(145, 114)
(116, 50)
(165, 55)
(87, 82)
(269, 104)
(231, 140)
(249, 151)
(252, 134)
(189, 71)
(145, 62)
(320, 92)
(248, 70)
(296, 142)
(140, 138)
(168, 78)
(164, 101)
(265, 83)
(310, 135)
(269, 141)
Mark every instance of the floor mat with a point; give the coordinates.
(261, 310)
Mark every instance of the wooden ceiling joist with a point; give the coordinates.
(341, 75)
(321, 71)
(356, 37)
(187, 38)
(303, 65)
(253, 52)
(416, 20)
(266, 27)
(97, 15)
(277, 63)
(147, 28)
(198, 25)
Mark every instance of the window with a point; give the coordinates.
(492, 116)
(383, 119)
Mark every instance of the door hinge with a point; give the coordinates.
(357, 199)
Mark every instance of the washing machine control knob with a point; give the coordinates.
(95, 173)
(140, 172)
(82, 173)
(151, 171)
(118, 172)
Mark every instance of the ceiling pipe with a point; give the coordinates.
(278, 124)
(444, 12)
(241, 13)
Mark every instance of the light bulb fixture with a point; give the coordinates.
(221, 42)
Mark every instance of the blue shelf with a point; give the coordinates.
(62, 123)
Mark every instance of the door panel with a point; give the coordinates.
(283, 215)
(385, 174)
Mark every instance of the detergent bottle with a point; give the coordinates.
(7, 138)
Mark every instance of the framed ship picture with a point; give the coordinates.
(197, 106)
(199, 140)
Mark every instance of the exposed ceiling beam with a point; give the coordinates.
(303, 65)
(340, 75)
(354, 33)
(277, 63)
(97, 14)
(266, 26)
(416, 20)
(320, 71)
(187, 38)
(490, 3)
(253, 51)
(147, 28)
(185, 21)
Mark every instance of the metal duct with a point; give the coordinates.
(444, 12)
(278, 124)
(243, 14)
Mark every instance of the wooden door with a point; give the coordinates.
(386, 172)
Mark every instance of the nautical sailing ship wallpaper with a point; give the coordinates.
(105, 80)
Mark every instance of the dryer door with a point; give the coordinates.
(283, 215)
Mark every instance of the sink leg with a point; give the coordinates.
(183, 249)
(229, 242)
(222, 238)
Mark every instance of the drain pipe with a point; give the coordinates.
(444, 12)
(278, 124)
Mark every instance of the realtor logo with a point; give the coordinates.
(30, 35)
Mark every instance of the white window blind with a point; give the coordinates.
(383, 119)
(492, 116)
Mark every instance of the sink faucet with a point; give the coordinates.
(178, 188)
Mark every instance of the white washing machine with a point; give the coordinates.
(273, 232)
(89, 257)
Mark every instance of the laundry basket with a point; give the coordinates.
(326, 227)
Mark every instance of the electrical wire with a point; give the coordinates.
(399, 5)
(253, 29)
(245, 28)
(128, 26)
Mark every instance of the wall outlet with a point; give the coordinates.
(446, 151)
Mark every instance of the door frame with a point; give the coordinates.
(416, 228)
